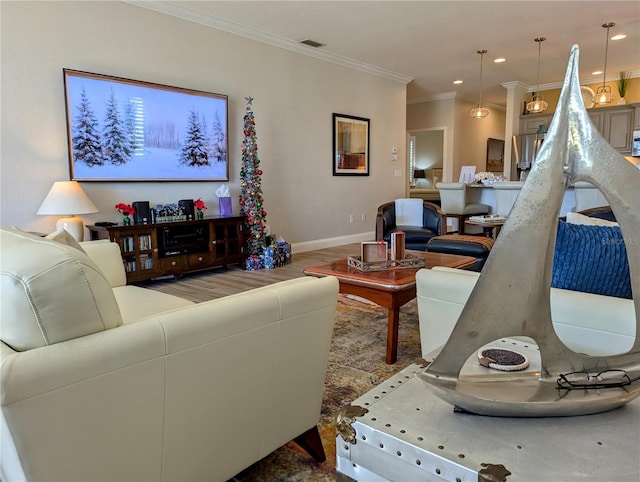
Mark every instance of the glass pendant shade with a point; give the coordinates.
(480, 112)
(604, 95)
(537, 103)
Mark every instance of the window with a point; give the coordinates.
(412, 159)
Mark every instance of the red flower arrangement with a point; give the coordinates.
(125, 209)
(199, 204)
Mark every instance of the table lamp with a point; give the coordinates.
(67, 198)
(419, 174)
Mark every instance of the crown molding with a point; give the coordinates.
(612, 77)
(513, 84)
(180, 11)
(454, 96)
(435, 97)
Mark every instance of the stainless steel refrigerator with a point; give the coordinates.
(635, 147)
(523, 153)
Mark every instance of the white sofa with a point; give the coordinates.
(102, 381)
(586, 323)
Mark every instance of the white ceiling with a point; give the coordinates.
(432, 43)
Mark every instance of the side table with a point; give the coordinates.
(410, 434)
(490, 229)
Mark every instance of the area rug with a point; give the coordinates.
(356, 365)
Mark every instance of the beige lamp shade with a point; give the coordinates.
(66, 198)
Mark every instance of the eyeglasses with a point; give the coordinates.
(603, 379)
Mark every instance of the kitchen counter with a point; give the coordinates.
(479, 193)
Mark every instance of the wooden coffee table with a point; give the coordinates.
(389, 288)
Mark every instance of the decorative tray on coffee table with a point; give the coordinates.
(411, 261)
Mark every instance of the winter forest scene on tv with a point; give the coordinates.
(124, 130)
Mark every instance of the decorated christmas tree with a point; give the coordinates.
(251, 202)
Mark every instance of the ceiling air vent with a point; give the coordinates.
(311, 43)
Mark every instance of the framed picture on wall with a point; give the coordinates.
(495, 155)
(350, 145)
(127, 130)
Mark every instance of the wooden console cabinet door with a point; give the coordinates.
(139, 248)
(227, 241)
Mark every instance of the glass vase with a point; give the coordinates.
(126, 221)
(199, 215)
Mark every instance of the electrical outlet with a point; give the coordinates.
(350, 218)
(397, 173)
(364, 217)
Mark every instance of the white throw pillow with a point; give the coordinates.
(409, 212)
(577, 218)
(64, 237)
(50, 292)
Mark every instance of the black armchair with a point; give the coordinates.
(434, 223)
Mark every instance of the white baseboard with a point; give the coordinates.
(331, 242)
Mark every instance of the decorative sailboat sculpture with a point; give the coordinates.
(511, 297)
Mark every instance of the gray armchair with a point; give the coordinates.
(419, 225)
(453, 197)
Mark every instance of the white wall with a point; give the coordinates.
(472, 135)
(295, 96)
(465, 141)
(429, 154)
(436, 114)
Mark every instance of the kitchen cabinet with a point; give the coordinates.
(618, 128)
(615, 123)
(529, 124)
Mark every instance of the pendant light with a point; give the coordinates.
(537, 103)
(480, 112)
(603, 93)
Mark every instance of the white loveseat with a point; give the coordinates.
(586, 323)
(102, 381)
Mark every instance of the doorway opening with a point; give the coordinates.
(426, 158)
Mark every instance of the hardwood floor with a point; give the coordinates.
(216, 283)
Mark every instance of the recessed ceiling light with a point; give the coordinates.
(457, 82)
(597, 72)
(499, 60)
(618, 37)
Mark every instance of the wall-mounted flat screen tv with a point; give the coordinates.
(128, 130)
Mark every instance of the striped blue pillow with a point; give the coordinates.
(591, 259)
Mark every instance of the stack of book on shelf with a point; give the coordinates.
(488, 218)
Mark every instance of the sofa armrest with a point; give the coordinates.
(99, 397)
(442, 294)
(107, 256)
(433, 217)
(236, 377)
(585, 322)
(385, 220)
(136, 303)
(257, 369)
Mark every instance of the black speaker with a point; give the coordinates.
(186, 206)
(142, 215)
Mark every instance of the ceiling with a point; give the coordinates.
(429, 44)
